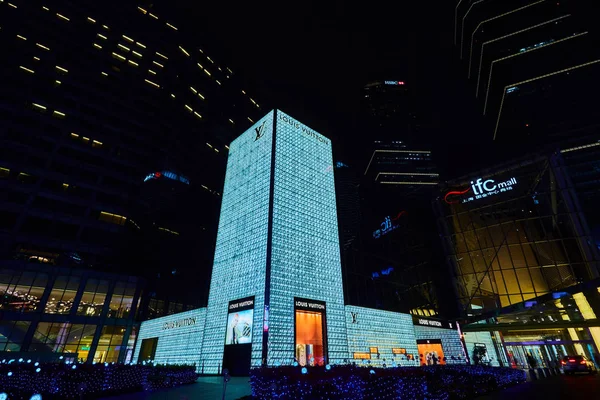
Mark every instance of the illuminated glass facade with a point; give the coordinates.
(80, 314)
(378, 337)
(277, 240)
(178, 338)
(519, 242)
(448, 339)
(241, 251)
(305, 243)
(514, 234)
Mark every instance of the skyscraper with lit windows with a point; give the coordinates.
(113, 136)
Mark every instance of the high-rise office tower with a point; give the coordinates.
(390, 268)
(346, 189)
(114, 125)
(276, 289)
(532, 67)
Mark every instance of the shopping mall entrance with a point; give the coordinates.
(547, 353)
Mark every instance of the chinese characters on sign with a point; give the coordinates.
(481, 189)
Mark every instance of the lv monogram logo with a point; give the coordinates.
(259, 131)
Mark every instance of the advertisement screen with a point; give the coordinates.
(431, 352)
(239, 321)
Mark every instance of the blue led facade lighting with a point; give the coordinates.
(450, 342)
(278, 243)
(179, 338)
(384, 338)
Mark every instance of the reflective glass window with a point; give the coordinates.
(93, 298)
(12, 334)
(24, 291)
(121, 300)
(109, 345)
(62, 295)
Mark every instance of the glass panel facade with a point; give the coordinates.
(50, 337)
(79, 340)
(513, 236)
(21, 290)
(391, 334)
(58, 337)
(51, 292)
(130, 345)
(93, 298)
(121, 300)
(12, 334)
(110, 343)
(241, 250)
(62, 295)
(304, 237)
(305, 243)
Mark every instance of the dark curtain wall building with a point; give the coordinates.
(113, 142)
(517, 232)
(390, 265)
(519, 240)
(532, 68)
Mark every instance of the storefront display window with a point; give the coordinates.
(310, 331)
(431, 352)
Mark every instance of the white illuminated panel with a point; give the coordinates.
(179, 337)
(305, 244)
(450, 342)
(385, 330)
(241, 249)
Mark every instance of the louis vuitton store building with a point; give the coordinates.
(276, 295)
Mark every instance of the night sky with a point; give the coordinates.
(311, 60)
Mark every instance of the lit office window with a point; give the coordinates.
(112, 218)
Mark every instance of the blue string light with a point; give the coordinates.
(26, 381)
(349, 381)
